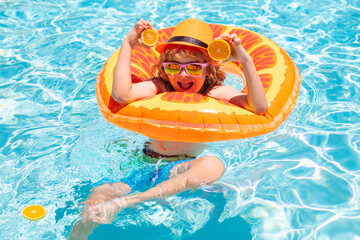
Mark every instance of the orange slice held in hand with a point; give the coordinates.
(219, 50)
(149, 37)
(34, 212)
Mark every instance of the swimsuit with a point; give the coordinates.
(143, 177)
(152, 174)
(148, 175)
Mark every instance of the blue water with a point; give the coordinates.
(299, 182)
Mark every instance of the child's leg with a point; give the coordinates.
(81, 230)
(201, 171)
(106, 192)
(107, 189)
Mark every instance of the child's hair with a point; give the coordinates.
(215, 75)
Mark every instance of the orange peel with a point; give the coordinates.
(219, 50)
(149, 37)
(34, 212)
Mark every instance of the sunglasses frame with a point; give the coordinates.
(183, 66)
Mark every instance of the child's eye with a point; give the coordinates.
(193, 67)
(172, 66)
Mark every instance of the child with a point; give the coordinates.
(184, 66)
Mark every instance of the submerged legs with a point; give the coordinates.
(108, 199)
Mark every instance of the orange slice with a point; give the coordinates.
(34, 212)
(149, 37)
(219, 50)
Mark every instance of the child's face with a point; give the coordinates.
(185, 83)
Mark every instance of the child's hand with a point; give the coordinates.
(238, 52)
(133, 36)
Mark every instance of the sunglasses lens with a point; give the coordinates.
(194, 70)
(172, 69)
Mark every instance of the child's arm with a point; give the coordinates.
(255, 99)
(123, 91)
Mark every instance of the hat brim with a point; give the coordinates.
(161, 47)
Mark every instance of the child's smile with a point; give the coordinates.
(185, 85)
(182, 83)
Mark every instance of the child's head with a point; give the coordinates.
(188, 44)
(199, 78)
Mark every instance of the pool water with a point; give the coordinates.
(298, 182)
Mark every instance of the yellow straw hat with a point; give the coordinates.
(189, 32)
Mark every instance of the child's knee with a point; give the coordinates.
(209, 168)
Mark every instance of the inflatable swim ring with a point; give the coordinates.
(178, 116)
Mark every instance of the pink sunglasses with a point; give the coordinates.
(192, 69)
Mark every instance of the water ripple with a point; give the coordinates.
(299, 182)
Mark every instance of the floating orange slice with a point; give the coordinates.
(219, 50)
(149, 37)
(34, 212)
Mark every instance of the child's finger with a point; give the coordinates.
(142, 25)
(224, 37)
(146, 24)
(234, 39)
(139, 28)
(237, 41)
(150, 25)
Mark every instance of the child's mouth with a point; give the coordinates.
(185, 85)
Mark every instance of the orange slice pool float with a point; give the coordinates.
(178, 116)
(34, 212)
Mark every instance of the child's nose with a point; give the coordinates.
(183, 72)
